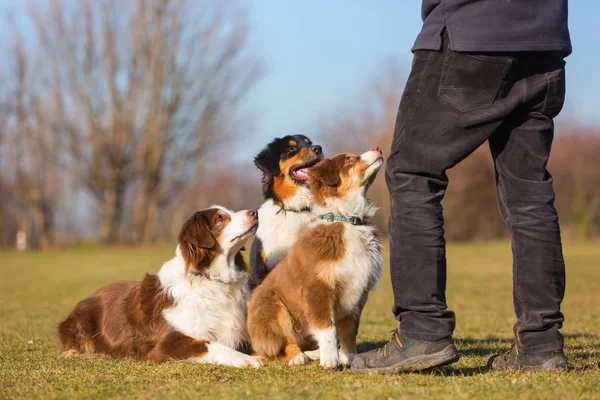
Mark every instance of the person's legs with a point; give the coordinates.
(452, 104)
(521, 149)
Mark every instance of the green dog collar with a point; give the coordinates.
(339, 218)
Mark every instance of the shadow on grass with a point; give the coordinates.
(583, 350)
(453, 371)
(470, 347)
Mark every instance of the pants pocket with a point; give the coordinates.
(471, 81)
(555, 97)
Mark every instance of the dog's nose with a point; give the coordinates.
(316, 149)
(377, 149)
(253, 213)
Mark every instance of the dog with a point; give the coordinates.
(320, 288)
(193, 309)
(284, 164)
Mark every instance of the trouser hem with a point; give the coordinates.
(430, 337)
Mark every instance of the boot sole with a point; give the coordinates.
(418, 363)
(554, 364)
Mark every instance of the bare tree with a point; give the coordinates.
(576, 175)
(143, 90)
(31, 149)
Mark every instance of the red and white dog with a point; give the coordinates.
(318, 291)
(193, 309)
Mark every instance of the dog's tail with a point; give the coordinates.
(77, 334)
(69, 336)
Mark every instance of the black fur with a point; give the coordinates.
(257, 264)
(268, 160)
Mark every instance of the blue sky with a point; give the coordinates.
(322, 55)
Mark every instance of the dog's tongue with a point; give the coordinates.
(301, 173)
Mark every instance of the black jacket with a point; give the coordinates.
(495, 25)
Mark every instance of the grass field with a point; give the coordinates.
(38, 290)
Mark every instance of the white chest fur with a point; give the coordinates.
(360, 269)
(205, 309)
(278, 230)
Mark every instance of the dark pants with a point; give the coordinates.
(453, 103)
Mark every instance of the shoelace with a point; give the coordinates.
(394, 333)
(507, 354)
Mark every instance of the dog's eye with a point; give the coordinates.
(291, 149)
(347, 160)
(220, 218)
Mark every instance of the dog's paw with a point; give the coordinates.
(330, 364)
(255, 361)
(313, 354)
(244, 361)
(300, 359)
(70, 353)
(330, 360)
(346, 358)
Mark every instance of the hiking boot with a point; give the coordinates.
(404, 354)
(552, 360)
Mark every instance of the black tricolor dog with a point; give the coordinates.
(284, 164)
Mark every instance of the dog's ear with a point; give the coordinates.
(196, 240)
(268, 160)
(327, 172)
(196, 232)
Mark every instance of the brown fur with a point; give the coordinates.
(124, 319)
(326, 176)
(197, 238)
(348, 326)
(283, 184)
(290, 351)
(263, 255)
(326, 173)
(177, 346)
(295, 295)
(303, 292)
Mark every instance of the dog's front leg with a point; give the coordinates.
(321, 322)
(328, 346)
(177, 346)
(347, 331)
(220, 354)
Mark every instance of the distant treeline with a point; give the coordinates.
(118, 120)
(109, 111)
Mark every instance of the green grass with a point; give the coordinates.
(38, 290)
